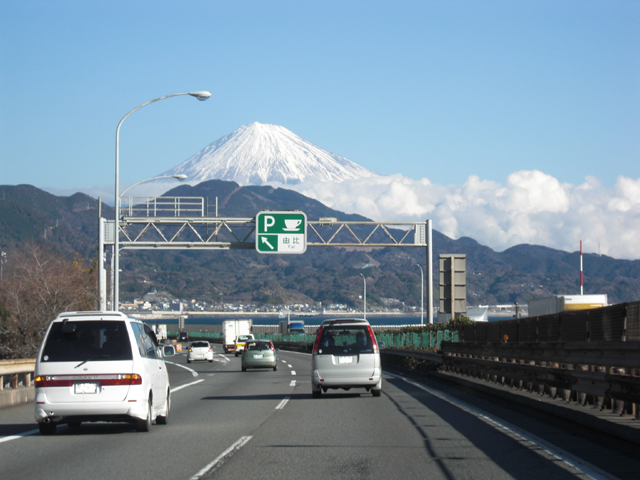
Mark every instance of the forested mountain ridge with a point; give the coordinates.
(322, 274)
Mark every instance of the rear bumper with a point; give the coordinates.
(319, 380)
(259, 363)
(119, 411)
(195, 356)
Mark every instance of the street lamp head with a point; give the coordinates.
(202, 96)
(180, 177)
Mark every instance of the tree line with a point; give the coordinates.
(37, 284)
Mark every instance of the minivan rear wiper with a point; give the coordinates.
(92, 358)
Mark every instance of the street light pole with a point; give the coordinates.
(365, 296)
(116, 245)
(102, 278)
(422, 297)
(3, 260)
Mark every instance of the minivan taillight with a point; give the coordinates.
(104, 379)
(316, 344)
(374, 340)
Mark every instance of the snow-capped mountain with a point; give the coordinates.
(257, 154)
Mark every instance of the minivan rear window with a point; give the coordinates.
(345, 339)
(87, 340)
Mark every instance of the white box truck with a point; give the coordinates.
(563, 303)
(161, 332)
(231, 329)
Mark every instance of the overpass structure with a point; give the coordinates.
(182, 223)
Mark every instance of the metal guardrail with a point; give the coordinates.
(16, 370)
(604, 369)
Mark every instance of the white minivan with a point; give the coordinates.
(345, 355)
(101, 366)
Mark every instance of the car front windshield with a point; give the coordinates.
(86, 341)
(350, 339)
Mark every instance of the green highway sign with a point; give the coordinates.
(281, 232)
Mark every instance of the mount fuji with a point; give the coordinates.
(258, 154)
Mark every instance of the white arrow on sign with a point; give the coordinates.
(264, 240)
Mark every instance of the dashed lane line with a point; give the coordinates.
(19, 435)
(186, 385)
(223, 456)
(284, 401)
(193, 372)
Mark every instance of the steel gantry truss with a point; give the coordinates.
(239, 233)
(143, 226)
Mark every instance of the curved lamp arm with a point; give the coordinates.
(179, 177)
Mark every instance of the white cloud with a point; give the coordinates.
(531, 207)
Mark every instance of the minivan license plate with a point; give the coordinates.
(85, 388)
(345, 359)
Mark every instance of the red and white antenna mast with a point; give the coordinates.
(581, 275)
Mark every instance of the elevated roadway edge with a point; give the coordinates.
(607, 422)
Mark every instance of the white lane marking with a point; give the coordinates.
(293, 372)
(584, 467)
(228, 452)
(19, 435)
(221, 359)
(293, 383)
(186, 385)
(289, 366)
(284, 361)
(282, 403)
(193, 372)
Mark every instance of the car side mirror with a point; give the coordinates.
(380, 345)
(168, 351)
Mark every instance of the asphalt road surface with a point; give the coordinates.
(263, 424)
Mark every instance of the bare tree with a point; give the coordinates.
(37, 285)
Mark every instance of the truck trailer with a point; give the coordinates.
(563, 303)
(161, 332)
(231, 329)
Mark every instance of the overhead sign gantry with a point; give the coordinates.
(162, 223)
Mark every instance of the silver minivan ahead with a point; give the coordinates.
(345, 355)
(101, 366)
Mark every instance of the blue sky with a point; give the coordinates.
(437, 90)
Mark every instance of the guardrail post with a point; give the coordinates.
(1, 383)
(14, 380)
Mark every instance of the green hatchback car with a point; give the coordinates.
(259, 354)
